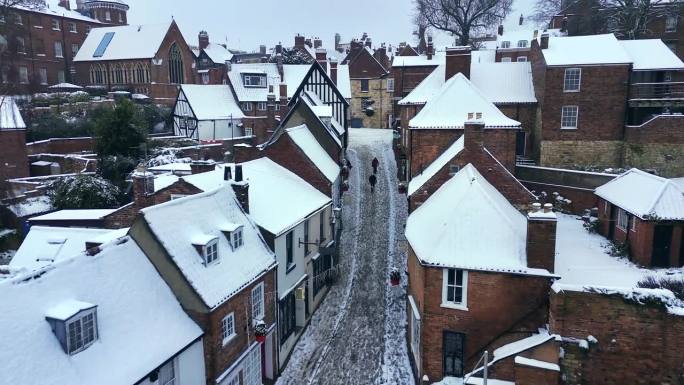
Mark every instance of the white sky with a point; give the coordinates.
(245, 24)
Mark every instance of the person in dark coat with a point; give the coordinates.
(372, 180)
(349, 165)
(375, 163)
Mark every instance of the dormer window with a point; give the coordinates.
(254, 80)
(74, 324)
(207, 247)
(505, 44)
(233, 233)
(522, 43)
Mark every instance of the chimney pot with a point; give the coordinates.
(536, 207)
(548, 207)
(241, 190)
(500, 30)
(238, 173)
(227, 173)
(65, 4)
(201, 166)
(203, 38)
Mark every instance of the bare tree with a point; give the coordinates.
(463, 19)
(631, 19)
(545, 10)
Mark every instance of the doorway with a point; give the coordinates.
(452, 349)
(520, 143)
(612, 219)
(662, 243)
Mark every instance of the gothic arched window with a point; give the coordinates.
(98, 74)
(175, 65)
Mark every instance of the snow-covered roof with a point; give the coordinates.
(65, 86)
(31, 206)
(125, 42)
(126, 323)
(45, 245)
(218, 53)
(419, 180)
(504, 83)
(645, 195)
(10, 116)
(513, 37)
(468, 224)
(520, 360)
(52, 8)
(439, 58)
(293, 75)
(427, 89)
(578, 50)
(210, 211)
(334, 128)
(295, 199)
(212, 102)
(450, 107)
(343, 80)
(305, 140)
(521, 345)
(651, 54)
(74, 215)
(171, 167)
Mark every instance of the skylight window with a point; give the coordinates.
(104, 43)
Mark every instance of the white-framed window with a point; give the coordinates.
(455, 289)
(55, 25)
(61, 76)
(249, 131)
(506, 59)
(236, 238)
(247, 106)
(120, 17)
(21, 45)
(72, 28)
(210, 251)
(252, 368)
(390, 85)
(569, 116)
(42, 73)
(108, 16)
(622, 219)
(671, 23)
(167, 373)
(262, 106)
(522, 43)
(254, 80)
(258, 301)
(365, 85)
(233, 380)
(81, 331)
(632, 224)
(415, 328)
(205, 78)
(522, 59)
(18, 19)
(228, 328)
(23, 75)
(572, 80)
(74, 50)
(2, 19)
(505, 44)
(59, 52)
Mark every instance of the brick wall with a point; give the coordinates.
(657, 144)
(304, 115)
(498, 305)
(61, 146)
(406, 79)
(13, 156)
(581, 199)
(637, 344)
(525, 375)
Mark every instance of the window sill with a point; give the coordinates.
(571, 91)
(290, 268)
(568, 128)
(38, 26)
(454, 306)
(226, 341)
(56, 30)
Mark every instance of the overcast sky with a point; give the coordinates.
(245, 24)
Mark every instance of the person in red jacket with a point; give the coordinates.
(375, 163)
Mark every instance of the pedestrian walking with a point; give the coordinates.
(375, 163)
(349, 165)
(372, 180)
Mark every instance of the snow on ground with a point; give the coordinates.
(582, 260)
(357, 335)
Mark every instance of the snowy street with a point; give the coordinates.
(357, 335)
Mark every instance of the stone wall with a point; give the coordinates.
(570, 153)
(61, 146)
(377, 92)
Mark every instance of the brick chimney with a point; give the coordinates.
(201, 166)
(322, 58)
(308, 42)
(241, 188)
(333, 70)
(299, 41)
(143, 187)
(430, 48)
(544, 41)
(473, 132)
(369, 43)
(541, 237)
(262, 49)
(458, 60)
(283, 94)
(203, 39)
(270, 110)
(500, 30)
(279, 61)
(65, 4)
(521, 20)
(355, 44)
(318, 43)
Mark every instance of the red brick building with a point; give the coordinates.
(43, 41)
(197, 260)
(468, 294)
(211, 60)
(646, 212)
(14, 162)
(148, 59)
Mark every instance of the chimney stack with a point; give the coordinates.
(270, 110)
(65, 4)
(521, 20)
(544, 41)
(333, 70)
(283, 94)
(299, 41)
(143, 187)
(203, 38)
(541, 237)
(500, 30)
(458, 60)
(201, 166)
(473, 132)
(308, 42)
(241, 189)
(369, 43)
(279, 61)
(430, 48)
(322, 58)
(318, 43)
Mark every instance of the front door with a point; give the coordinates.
(662, 242)
(452, 347)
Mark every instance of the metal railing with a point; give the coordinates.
(663, 90)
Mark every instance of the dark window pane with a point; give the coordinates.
(458, 297)
(459, 277)
(450, 294)
(451, 277)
